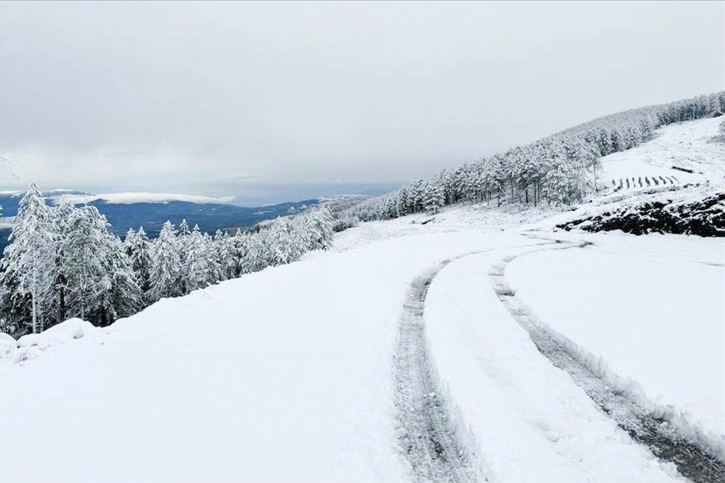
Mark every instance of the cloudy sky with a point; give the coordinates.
(268, 101)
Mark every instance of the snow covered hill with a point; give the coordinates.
(477, 344)
(690, 146)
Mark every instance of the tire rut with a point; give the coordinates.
(644, 425)
(427, 436)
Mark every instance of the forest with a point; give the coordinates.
(560, 169)
(62, 262)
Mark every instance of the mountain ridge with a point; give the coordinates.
(152, 214)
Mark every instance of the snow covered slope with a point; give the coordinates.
(689, 145)
(298, 373)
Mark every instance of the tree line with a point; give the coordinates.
(63, 262)
(560, 169)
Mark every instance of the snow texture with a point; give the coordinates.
(291, 373)
(296, 360)
(688, 145)
(428, 438)
(665, 331)
(531, 422)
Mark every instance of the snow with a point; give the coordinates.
(687, 145)
(287, 374)
(652, 307)
(129, 198)
(293, 362)
(59, 334)
(33, 345)
(296, 362)
(528, 419)
(8, 345)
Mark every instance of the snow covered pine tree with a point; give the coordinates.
(28, 262)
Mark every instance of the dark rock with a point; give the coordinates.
(705, 218)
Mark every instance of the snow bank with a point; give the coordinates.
(8, 345)
(32, 345)
(58, 334)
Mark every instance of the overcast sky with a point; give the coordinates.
(240, 98)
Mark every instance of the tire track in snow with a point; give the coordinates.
(644, 425)
(427, 436)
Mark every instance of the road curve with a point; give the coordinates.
(644, 426)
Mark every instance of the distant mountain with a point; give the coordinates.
(151, 210)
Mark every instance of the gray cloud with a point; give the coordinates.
(219, 97)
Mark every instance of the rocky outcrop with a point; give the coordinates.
(704, 217)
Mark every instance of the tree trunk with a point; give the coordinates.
(35, 316)
(33, 295)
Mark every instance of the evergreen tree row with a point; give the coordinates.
(63, 262)
(560, 169)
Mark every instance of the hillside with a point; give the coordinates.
(561, 169)
(689, 145)
(362, 242)
(479, 343)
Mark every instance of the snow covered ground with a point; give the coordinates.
(289, 374)
(280, 375)
(528, 419)
(652, 307)
(286, 375)
(688, 145)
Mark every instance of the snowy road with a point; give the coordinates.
(282, 375)
(428, 438)
(530, 421)
(642, 419)
(293, 374)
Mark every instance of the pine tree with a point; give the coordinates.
(284, 247)
(59, 307)
(87, 249)
(126, 297)
(432, 197)
(138, 249)
(210, 252)
(257, 255)
(237, 250)
(183, 239)
(164, 277)
(200, 268)
(28, 262)
(221, 251)
(320, 228)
